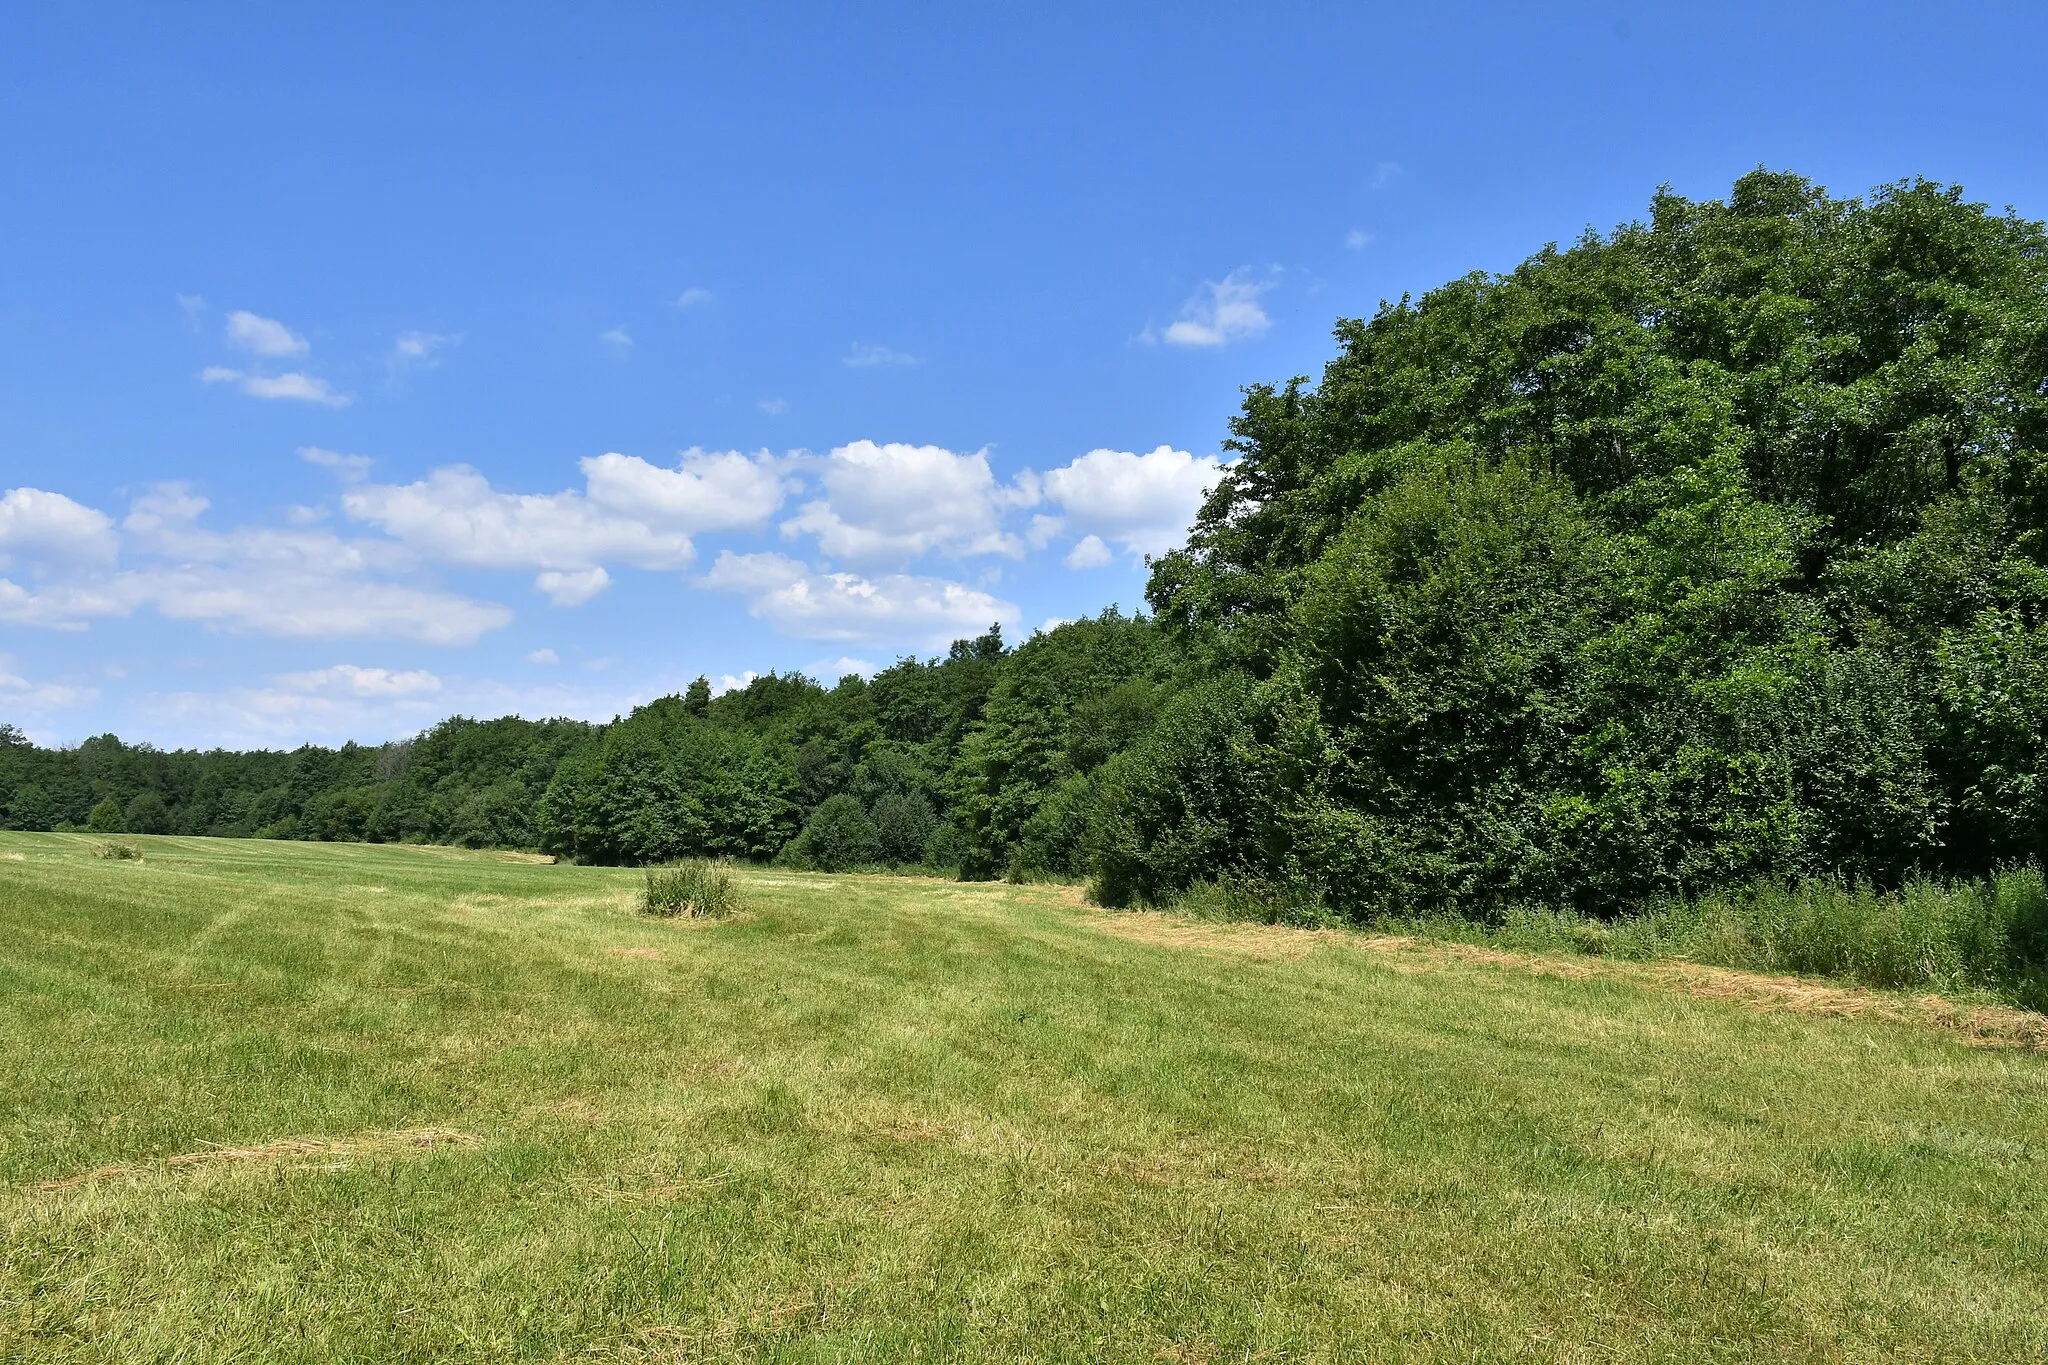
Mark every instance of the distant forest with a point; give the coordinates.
(1706, 551)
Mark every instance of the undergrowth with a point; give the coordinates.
(1988, 935)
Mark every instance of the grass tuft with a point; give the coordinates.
(696, 888)
(112, 849)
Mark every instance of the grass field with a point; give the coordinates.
(286, 1102)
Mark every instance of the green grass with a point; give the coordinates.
(877, 1119)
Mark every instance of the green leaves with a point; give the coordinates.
(1706, 549)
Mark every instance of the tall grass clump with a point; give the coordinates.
(1988, 934)
(1255, 900)
(696, 888)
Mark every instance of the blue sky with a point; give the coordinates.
(364, 364)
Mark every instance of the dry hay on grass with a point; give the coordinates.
(650, 954)
(1267, 941)
(649, 1186)
(294, 1153)
(1983, 1025)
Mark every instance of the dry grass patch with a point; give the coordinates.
(1270, 942)
(292, 1153)
(1982, 1025)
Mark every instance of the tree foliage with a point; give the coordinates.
(1708, 549)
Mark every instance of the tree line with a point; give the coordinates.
(1709, 550)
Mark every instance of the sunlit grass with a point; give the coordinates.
(289, 1102)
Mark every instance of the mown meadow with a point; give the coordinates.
(272, 1101)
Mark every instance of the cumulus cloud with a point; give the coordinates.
(572, 588)
(867, 356)
(895, 502)
(304, 583)
(38, 525)
(1358, 239)
(350, 680)
(693, 297)
(832, 670)
(808, 605)
(22, 696)
(774, 407)
(1144, 503)
(543, 656)
(263, 336)
(454, 515)
(708, 490)
(630, 511)
(1088, 553)
(1222, 311)
(349, 702)
(304, 388)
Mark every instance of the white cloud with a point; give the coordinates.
(351, 468)
(572, 588)
(1145, 503)
(618, 338)
(262, 597)
(1088, 553)
(59, 606)
(543, 656)
(38, 525)
(774, 407)
(20, 695)
(895, 502)
(263, 336)
(1358, 239)
(830, 671)
(300, 582)
(865, 356)
(733, 682)
(1384, 174)
(1222, 311)
(194, 307)
(280, 712)
(454, 515)
(693, 297)
(349, 680)
(798, 602)
(629, 512)
(304, 388)
(273, 599)
(709, 490)
(287, 713)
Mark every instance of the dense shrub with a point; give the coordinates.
(903, 824)
(106, 818)
(838, 836)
